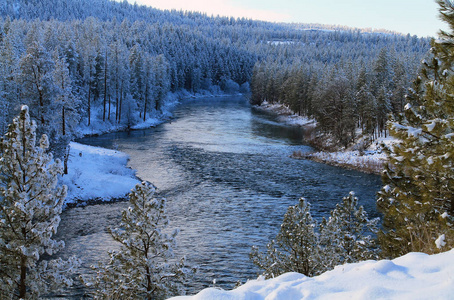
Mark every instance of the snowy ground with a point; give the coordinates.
(97, 174)
(98, 127)
(285, 115)
(413, 276)
(369, 161)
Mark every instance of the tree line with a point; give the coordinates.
(341, 95)
(80, 63)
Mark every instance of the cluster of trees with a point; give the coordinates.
(304, 246)
(79, 62)
(112, 72)
(344, 89)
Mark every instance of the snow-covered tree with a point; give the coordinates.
(142, 268)
(309, 248)
(417, 199)
(345, 236)
(37, 85)
(295, 247)
(30, 207)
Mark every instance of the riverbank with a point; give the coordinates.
(97, 175)
(99, 127)
(369, 160)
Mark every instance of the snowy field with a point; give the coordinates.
(97, 174)
(413, 276)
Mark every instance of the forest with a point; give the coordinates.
(79, 62)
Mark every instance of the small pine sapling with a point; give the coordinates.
(141, 268)
(292, 249)
(345, 236)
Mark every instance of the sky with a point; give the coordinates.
(417, 17)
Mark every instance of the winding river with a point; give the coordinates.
(225, 171)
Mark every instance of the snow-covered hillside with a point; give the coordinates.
(413, 276)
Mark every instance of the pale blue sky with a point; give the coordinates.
(406, 16)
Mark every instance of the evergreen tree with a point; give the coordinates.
(305, 247)
(30, 207)
(417, 199)
(141, 268)
(295, 246)
(345, 236)
(37, 84)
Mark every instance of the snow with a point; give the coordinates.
(285, 115)
(412, 276)
(440, 242)
(97, 126)
(367, 161)
(97, 174)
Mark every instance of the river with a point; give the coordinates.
(224, 168)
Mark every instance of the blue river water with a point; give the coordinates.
(225, 170)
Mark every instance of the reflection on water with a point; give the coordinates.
(225, 170)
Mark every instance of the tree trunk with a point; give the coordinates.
(121, 102)
(145, 106)
(65, 160)
(63, 124)
(23, 271)
(41, 107)
(108, 116)
(105, 89)
(89, 106)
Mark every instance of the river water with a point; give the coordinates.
(225, 171)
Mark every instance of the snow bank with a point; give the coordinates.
(413, 276)
(369, 161)
(97, 174)
(98, 127)
(285, 114)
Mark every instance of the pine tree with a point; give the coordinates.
(30, 207)
(346, 235)
(37, 85)
(141, 268)
(417, 199)
(294, 247)
(304, 246)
